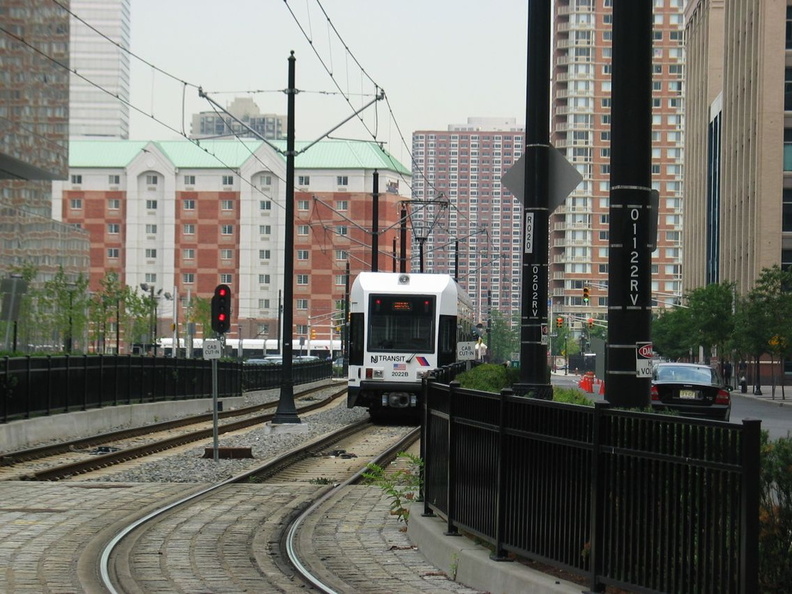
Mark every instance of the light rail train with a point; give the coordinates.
(401, 327)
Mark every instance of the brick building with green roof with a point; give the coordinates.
(185, 216)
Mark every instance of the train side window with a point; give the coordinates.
(446, 344)
(356, 345)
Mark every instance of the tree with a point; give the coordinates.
(504, 338)
(711, 312)
(671, 336)
(767, 317)
(66, 301)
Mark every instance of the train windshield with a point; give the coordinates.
(403, 323)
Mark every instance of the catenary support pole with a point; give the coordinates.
(287, 411)
(534, 376)
(627, 381)
(375, 224)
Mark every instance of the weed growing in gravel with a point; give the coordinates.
(402, 485)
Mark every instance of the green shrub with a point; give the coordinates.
(775, 515)
(489, 377)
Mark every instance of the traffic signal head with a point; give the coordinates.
(586, 295)
(591, 322)
(221, 309)
(313, 333)
(559, 322)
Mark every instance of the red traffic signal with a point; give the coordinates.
(559, 322)
(221, 309)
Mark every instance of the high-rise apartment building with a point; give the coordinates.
(247, 122)
(469, 224)
(463, 167)
(580, 129)
(738, 154)
(99, 92)
(184, 218)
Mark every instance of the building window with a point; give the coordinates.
(113, 180)
(226, 230)
(302, 279)
(188, 278)
(340, 280)
(265, 229)
(226, 254)
(302, 254)
(303, 229)
(226, 205)
(150, 278)
(341, 255)
(189, 229)
(342, 180)
(303, 180)
(113, 253)
(264, 279)
(342, 230)
(342, 205)
(113, 204)
(264, 254)
(226, 278)
(302, 304)
(151, 253)
(151, 180)
(151, 205)
(265, 180)
(188, 254)
(189, 180)
(228, 180)
(113, 228)
(303, 205)
(188, 204)
(76, 180)
(75, 203)
(151, 229)
(265, 205)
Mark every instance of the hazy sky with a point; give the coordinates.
(439, 61)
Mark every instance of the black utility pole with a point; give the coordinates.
(534, 377)
(375, 225)
(403, 240)
(287, 411)
(627, 381)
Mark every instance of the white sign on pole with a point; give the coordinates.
(643, 359)
(466, 351)
(211, 349)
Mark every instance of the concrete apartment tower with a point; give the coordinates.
(94, 111)
(738, 149)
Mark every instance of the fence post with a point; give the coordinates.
(451, 462)
(49, 385)
(425, 421)
(500, 492)
(749, 545)
(7, 384)
(595, 511)
(67, 401)
(85, 382)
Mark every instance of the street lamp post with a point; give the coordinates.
(154, 298)
(70, 336)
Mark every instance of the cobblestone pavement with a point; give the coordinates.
(51, 535)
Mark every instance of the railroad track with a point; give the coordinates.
(266, 505)
(94, 453)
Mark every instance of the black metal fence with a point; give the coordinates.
(641, 501)
(35, 386)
